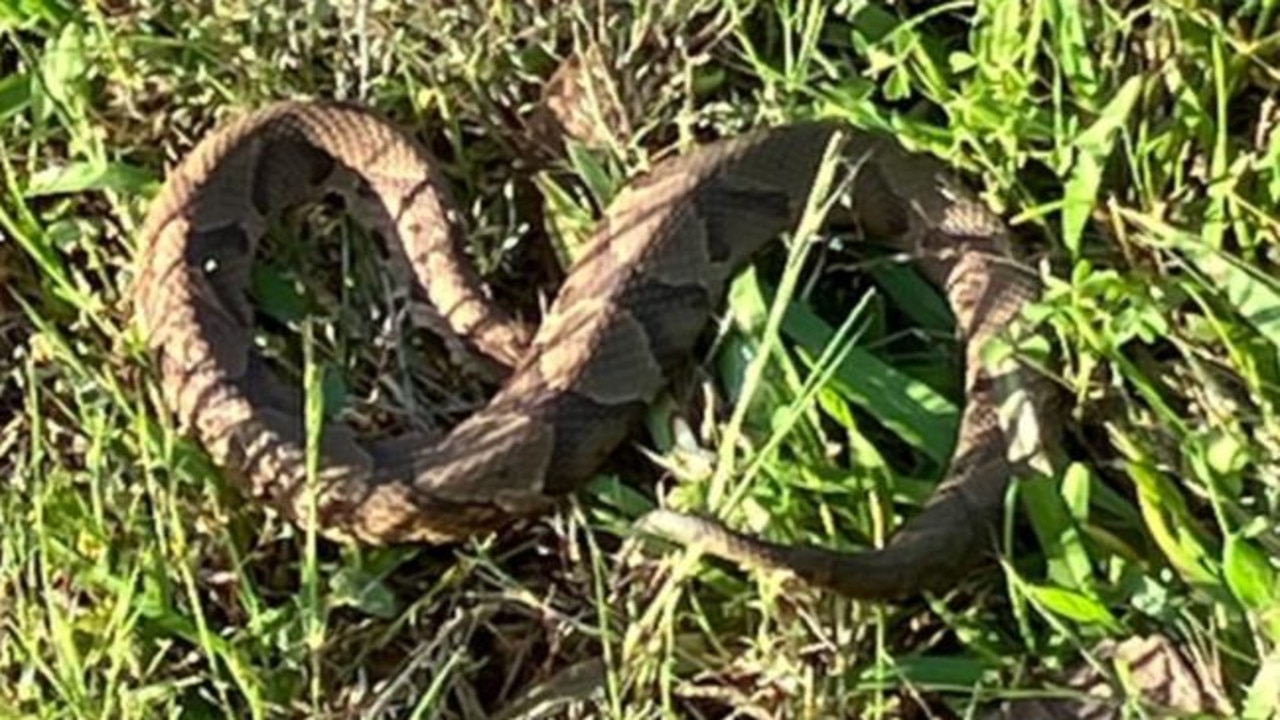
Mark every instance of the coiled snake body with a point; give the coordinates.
(626, 317)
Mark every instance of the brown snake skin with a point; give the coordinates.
(628, 315)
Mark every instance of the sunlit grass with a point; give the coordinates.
(1132, 147)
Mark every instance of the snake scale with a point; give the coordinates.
(627, 316)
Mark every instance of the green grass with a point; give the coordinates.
(1135, 146)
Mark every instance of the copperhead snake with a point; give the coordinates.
(627, 316)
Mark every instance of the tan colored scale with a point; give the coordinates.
(628, 313)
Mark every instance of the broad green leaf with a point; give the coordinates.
(1249, 573)
(276, 296)
(936, 671)
(80, 177)
(570, 222)
(1052, 522)
(1262, 702)
(15, 94)
(1073, 606)
(364, 591)
(610, 490)
(1251, 291)
(595, 176)
(64, 70)
(1072, 42)
(1092, 148)
(913, 410)
(1077, 487)
(1173, 528)
(915, 297)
